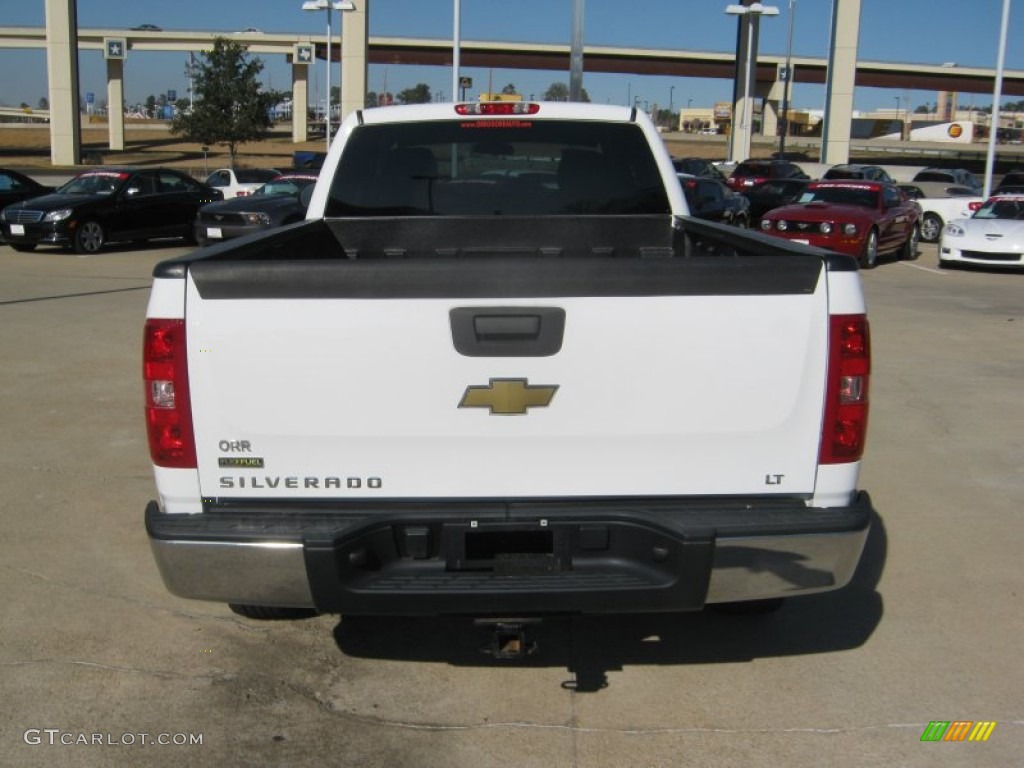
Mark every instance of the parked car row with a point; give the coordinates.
(108, 205)
(855, 209)
(861, 210)
(119, 204)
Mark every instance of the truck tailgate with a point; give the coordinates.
(595, 377)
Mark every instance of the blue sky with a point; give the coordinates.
(916, 31)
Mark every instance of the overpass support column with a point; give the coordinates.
(840, 81)
(62, 74)
(115, 103)
(300, 102)
(353, 58)
(772, 96)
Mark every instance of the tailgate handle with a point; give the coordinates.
(507, 331)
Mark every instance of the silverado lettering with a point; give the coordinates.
(267, 481)
(501, 259)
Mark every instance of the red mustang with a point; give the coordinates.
(861, 218)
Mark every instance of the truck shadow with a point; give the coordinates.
(591, 646)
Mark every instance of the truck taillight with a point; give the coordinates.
(846, 393)
(168, 410)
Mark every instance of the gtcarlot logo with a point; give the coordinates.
(958, 730)
(56, 737)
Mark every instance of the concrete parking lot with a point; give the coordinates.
(100, 666)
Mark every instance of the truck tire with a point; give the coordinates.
(931, 228)
(271, 612)
(910, 250)
(869, 254)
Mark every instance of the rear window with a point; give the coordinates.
(843, 173)
(933, 176)
(751, 169)
(515, 167)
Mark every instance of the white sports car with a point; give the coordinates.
(993, 236)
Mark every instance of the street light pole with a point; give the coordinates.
(787, 85)
(997, 94)
(899, 121)
(328, 5)
(456, 44)
(576, 53)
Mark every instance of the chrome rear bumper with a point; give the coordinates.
(487, 558)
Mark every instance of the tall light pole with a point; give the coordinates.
(328, 5)
(997, 94)
(787, 84)
(576, 53)
(671, 102)
(899, 121)
(750, 15)
(456, 45)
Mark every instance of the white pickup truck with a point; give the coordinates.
(499, 371)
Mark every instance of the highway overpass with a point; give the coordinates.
(358, 49)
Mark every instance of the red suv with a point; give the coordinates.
(749, 173)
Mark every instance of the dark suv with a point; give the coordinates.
(749, 173)
(858, 171)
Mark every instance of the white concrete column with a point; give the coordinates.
(773, 96)
(300, 102)
(839, 81)
(354, 49)
(115, 103)
(62, 76)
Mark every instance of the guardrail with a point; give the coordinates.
(26, 112)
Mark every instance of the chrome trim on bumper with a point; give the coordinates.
(267, 573)
(783, 566)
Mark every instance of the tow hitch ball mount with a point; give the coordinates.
(508, 638)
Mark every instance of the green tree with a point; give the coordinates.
(666, 118)
(419, 94)
(509, 90)
(560, 92)
(231, 106)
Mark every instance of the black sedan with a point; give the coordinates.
(697, 166)
(712, 200)
(773, 194)
(107, 205)
(15, 187)
(283, 200)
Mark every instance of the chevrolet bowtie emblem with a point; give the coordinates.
(507, 396)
